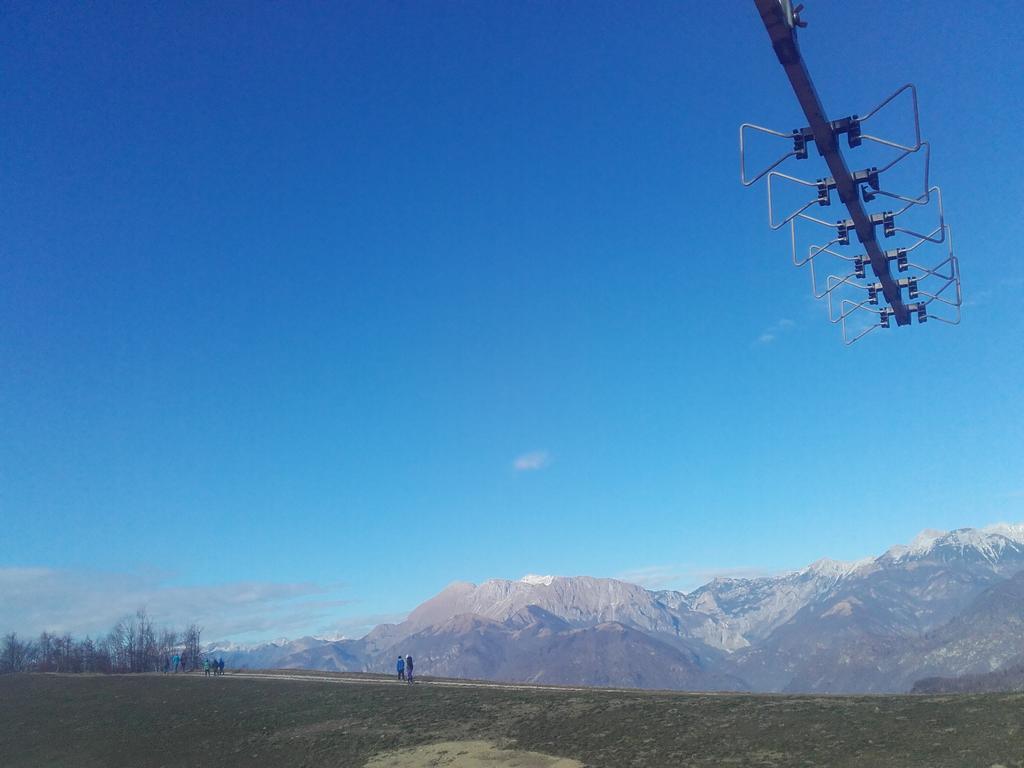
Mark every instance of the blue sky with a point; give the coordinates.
(309, 310)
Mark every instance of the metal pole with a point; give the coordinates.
(783, 37)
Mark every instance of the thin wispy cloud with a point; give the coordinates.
(90, 602)
(532, 461)
(776, 329)
(686, 578)
(358, 626)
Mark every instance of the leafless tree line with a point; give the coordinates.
(132, 645)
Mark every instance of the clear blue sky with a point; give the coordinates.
(286, 290)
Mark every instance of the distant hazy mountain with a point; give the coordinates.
(950, 603)
(1007, 678)
(304, 653)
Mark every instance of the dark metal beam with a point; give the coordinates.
(783, 39)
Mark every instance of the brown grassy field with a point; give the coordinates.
(154, 720)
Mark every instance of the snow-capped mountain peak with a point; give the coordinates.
(836, 569)
(1012, 531)
(990, 542)
(925, 541)
(532, 578)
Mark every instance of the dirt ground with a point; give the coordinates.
(157, 721)
(468, 754)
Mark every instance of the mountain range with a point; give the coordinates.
(948, 607)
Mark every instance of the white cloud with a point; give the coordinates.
(654, 576)
(531, 461)
(90, 602)
(772, 332)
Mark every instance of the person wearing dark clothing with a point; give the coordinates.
(220, 666)
(408, 669)
(167, 664)
(401, 668)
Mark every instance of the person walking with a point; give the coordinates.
(206, 667)
(401, 668)
(176, 661)
(408, 669)
(220, 666)
(167, 664)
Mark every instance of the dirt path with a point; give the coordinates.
(354, 680)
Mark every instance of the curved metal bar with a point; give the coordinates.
(917, 120)
(934, 271)
(885, 102)
(954, 281)
(743, 163)
(886, 142)
(792, 242)
(814, 278)
(912, 233)
(805, 217)
(854, 306)
(955, 305)
(860, 335)
(772, 224)
(847, 340)
(937, 296)
(925, 198)
(951, 259)
(820, 249)
(942, 220)
(929, 238)
(829, 286)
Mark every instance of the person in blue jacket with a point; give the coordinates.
(401, 668)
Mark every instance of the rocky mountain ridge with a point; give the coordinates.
(941, 606)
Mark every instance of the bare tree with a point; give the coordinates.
(66, 654)
(132, 645)
(93, 659)
(105, 655)
(15, 655)
(118, 642)
(166, 645)
(145, 651)
(46, 653)
(191, 655)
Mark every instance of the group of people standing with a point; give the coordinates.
(177, 661)
(404, 668)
